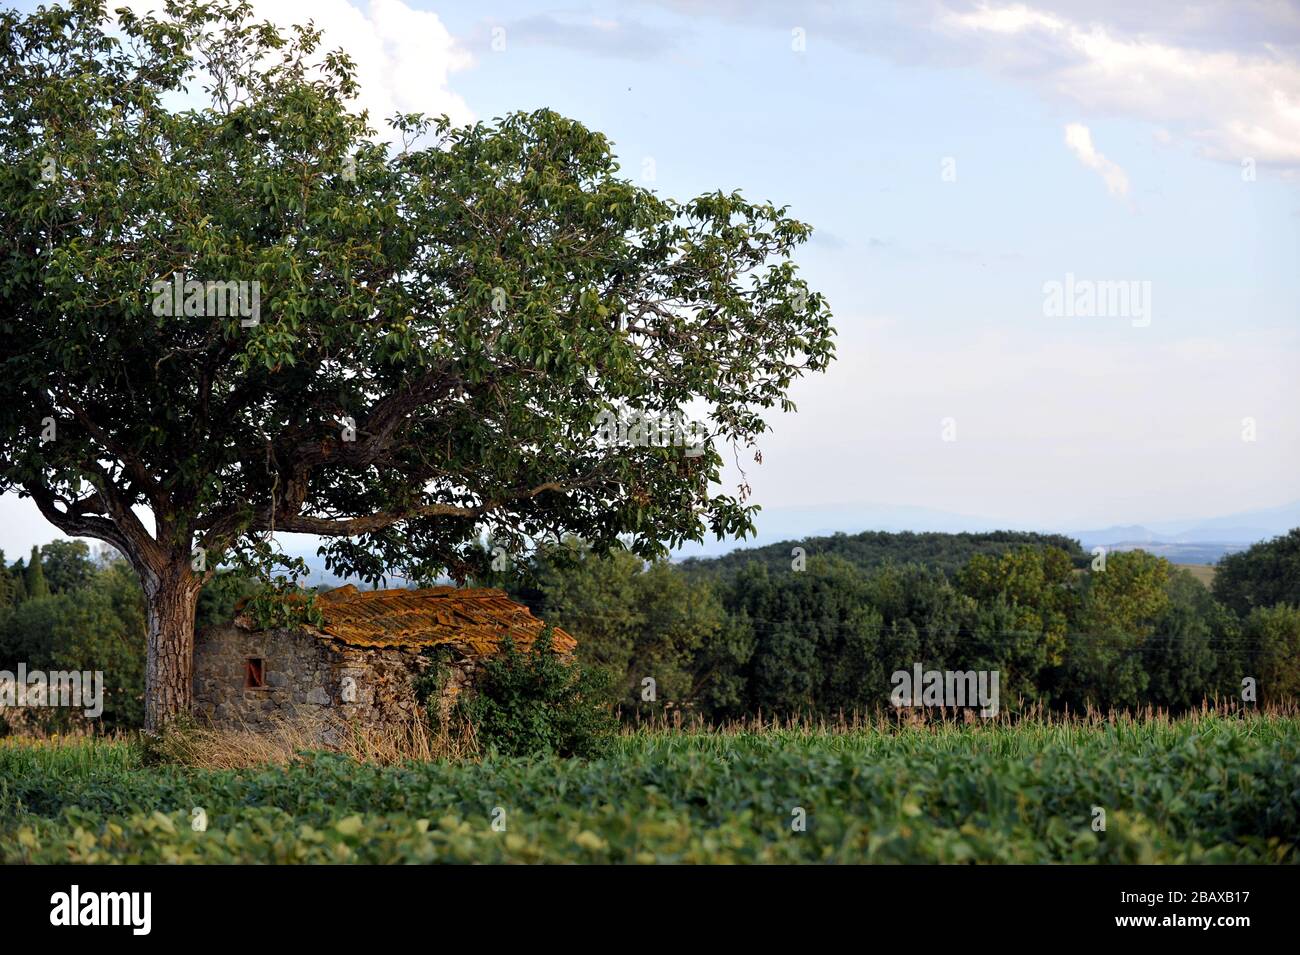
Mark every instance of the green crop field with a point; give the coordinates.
(1209, 789)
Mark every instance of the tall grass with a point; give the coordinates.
(285, 741)
(58, 756)
(1008, 733)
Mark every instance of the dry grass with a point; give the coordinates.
(286, 740)
(1202, 572)
(885, 719)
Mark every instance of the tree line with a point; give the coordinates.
(819, 633)
(818, 626)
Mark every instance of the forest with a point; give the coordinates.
(807, 628)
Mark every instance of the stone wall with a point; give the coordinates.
(309, 676)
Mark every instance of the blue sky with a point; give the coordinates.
(937, 286)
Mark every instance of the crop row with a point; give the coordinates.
(1208, 790)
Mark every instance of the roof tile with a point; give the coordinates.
(474, 620)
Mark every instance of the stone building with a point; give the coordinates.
(360, 666)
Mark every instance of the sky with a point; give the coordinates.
(961, 163)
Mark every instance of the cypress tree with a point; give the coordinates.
(36, 585)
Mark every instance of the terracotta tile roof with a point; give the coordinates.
(474, 620)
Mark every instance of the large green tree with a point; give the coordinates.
(1265, 574)
(1027, 599)
(1122, 607)
(390, 346)
(1272, 637)
(67, 565)
(634, 620)
(1195, 653)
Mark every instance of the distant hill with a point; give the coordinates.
(1206, 552)
(1222, 533)
(946, 552)
(1202, 541)
(1209, 537)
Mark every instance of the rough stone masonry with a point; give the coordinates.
(361, 667)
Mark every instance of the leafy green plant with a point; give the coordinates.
(1211, 789)
(535, 703)
(431, 683)
(283, 605)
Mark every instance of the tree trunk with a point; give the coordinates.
(172, 597)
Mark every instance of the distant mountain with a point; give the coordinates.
(1204, 540)
(1199, 541)
(1108, 536)
(1245, 527)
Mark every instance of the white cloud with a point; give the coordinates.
(1014, 19)
(404, 57)
(1233, 103)
(1079, 138)
(1223, 75)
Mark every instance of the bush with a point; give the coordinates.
(535, 703)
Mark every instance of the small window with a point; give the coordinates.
(254, 674)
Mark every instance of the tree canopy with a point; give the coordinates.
(246, 312)
(1263, 575)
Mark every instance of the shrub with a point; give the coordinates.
(536, 703)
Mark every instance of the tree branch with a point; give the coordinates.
(351, 527)
(75, 522)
